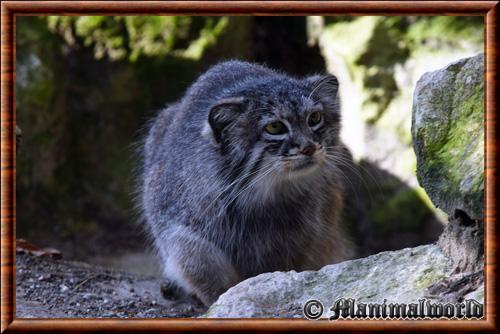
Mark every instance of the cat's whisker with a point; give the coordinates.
(343, 155)
(334, 164)
(253, 182)
(348, 164)
(238, 180)
(345, 177)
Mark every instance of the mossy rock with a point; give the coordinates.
(393, 277)
(448, 136)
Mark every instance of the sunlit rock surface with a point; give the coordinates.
(448, 136)
(400, 277)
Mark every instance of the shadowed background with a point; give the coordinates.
(85, 87)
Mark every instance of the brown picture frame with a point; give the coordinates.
(11, 9)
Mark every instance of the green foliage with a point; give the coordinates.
(79, 117)
(436, 32)
(384, 50)
(119, 37)
(390, 41)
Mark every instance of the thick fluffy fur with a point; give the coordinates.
(224, 199)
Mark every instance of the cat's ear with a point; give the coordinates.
(222, 114)
(324, 87)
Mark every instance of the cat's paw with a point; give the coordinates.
(172, 291)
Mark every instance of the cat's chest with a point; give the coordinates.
(280, 216)
(273, 232)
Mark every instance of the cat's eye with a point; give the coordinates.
(276, 128)
(314, 118)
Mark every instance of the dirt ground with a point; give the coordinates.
(49, 288)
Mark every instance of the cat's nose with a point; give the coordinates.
(308, 150)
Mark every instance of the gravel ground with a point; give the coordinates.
(49, 288)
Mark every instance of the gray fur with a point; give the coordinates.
(221, 202)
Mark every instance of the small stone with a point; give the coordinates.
(44, 277)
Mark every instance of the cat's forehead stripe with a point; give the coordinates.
(289, 111)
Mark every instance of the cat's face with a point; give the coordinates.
(280, 128)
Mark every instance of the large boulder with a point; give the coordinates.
(400, 276)
(448, 138)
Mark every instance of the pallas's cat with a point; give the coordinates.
(242, 176)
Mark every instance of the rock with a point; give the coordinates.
(447, 130)
(399, 276)
(477, 294)
(448, 138)
(463, 242)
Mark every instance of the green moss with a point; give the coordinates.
(428, 276)
(455, 153)
(130, 37)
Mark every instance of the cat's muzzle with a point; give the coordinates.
(302, 164)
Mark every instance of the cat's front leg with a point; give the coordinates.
(196, 265)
